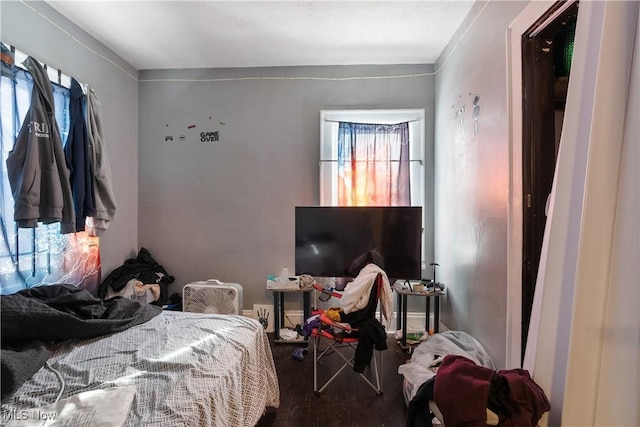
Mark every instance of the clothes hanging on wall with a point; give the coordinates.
(36, 166)
(77, 156)
(42, 192)
(105, 201)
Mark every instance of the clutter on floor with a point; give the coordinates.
(451, 378)
(288, 334)
(299, 353)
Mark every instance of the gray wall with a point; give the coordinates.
(225, 209)
(115, 83)
(472, 176)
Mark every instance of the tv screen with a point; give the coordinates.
(336, 241)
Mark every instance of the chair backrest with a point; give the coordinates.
(369, 311)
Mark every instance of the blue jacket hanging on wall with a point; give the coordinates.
(36, 166)
(76, 151)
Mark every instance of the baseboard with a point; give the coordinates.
(291, 319)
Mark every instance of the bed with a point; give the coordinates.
(180, 369)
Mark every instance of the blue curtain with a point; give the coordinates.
(373, 164)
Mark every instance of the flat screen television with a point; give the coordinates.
(336, 241)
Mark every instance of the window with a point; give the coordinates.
(329, 159)
(331, 172)
(35, 256)
(329, 162)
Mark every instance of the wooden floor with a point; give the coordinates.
(347, 402)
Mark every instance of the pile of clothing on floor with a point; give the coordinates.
(141, 278)
(451, 377)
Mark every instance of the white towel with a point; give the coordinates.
(356, 294)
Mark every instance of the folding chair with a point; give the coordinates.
(338, 338)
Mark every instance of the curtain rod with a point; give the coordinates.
(417, 119)
(372, 161)
(19, 56)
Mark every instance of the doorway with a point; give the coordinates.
(547, 50)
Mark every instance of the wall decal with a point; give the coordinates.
(211, 136)
(461, 122)
(459, 117)
(476, 113)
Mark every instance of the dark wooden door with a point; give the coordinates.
(545, 81)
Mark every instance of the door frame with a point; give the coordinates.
(536, 12)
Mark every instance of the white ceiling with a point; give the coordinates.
(217, 33)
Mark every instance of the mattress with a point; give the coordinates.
(188, 369)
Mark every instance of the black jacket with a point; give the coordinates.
(370, 334)
(143, 268)
(76, 151)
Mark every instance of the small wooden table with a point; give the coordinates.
(402, 310)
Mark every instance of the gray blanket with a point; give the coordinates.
(32, 317)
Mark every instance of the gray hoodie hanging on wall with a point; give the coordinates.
(36, 166)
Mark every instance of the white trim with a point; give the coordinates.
(559, 11)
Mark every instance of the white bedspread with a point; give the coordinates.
(189, 369)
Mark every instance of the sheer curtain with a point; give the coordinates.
(373, 164)
(583, 346)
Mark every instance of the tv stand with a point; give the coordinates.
(402, 310)
(278, 312)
